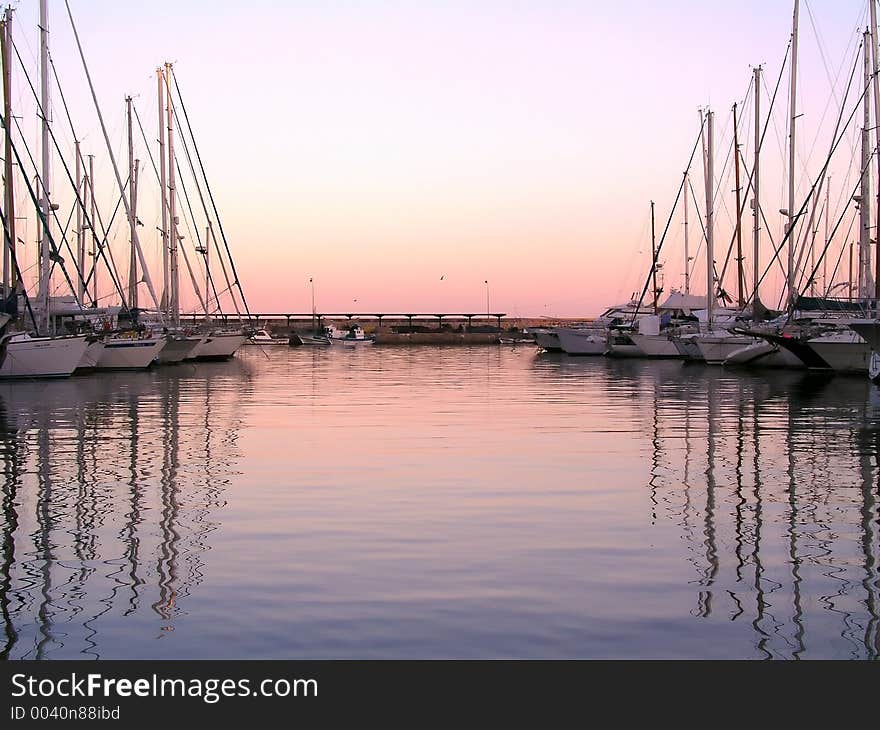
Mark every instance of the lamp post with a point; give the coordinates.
(312, 285)
(488, 319)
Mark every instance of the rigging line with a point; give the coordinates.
(14, 259)
(776, 249)
(211, 196)
(186, 222)
(105, 232)
(829, 284)
(813, 187)
(832, 83)
(136, 242)
(822, 178)
(144, 137)
(668, 222)
(198, 239)
(744, 195)
(837, 225)
(183, 141)
(53, 213)
(53, 253)
(207, 245)
(61, 94)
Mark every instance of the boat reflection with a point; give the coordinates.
(112, 489)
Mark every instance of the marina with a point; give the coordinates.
(533, 506)
(294, 369)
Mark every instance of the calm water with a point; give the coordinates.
(428, 502)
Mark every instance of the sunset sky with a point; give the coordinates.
(377, 146)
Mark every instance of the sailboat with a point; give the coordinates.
(30, 354)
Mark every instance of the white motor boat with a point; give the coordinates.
(25, 355)
(123, 352)
(353, 338)
(301, 338)
(262, 337)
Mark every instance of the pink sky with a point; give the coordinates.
(378, 146)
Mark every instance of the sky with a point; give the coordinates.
(403, 154)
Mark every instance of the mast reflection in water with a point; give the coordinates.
(439, 502)
(111, 488)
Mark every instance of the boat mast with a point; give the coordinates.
(80, 235)
(207, 266)
(146, 272)
(825, 288)
(740, 284)
(756, 201)
(95, 242)
(173, 271)
(791, 154)
(43, 292)
(132, 214)
(653, 257)
(865, 189)
(687, 258)
(163, 194)
(710, 220)
(9, 188)
(873, 6)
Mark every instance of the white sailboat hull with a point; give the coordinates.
(715, 349)
(218, 346)
(547, 340)
(687, 347)
(844, 351)
(25, 356)
(763, 354)
(655, 345)
(580, 341)
(177, 348)
(92, 355)
(121, 353)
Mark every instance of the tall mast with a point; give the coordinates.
(865, 288)
(207, 266)
(173, 272)
(43, 292)
(687, 258)
(312, 284)
(825, 289)
(80, 234)
(874, 65)
(653, 257)
(95, 242)
(710, 219)
(756, 201)
(740, 284)
(791, 153)
(132, 214)
(163, 194)
(9, 189)
(146, 272)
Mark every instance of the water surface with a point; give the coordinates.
(439, 502)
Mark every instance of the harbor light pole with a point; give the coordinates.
(488, 317)
(312, 285)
